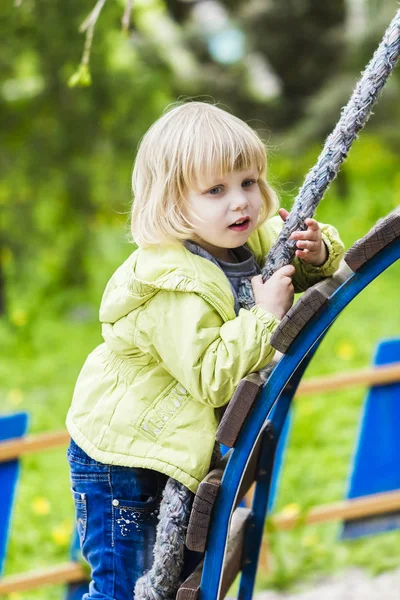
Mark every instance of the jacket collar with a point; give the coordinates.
(172, 267)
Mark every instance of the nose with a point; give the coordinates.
(239, 201)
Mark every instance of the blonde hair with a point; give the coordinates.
(189, 141)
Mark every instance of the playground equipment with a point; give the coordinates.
(163, 578)
(251, 427)
(254, 419)
(328, 298)
(376, 453)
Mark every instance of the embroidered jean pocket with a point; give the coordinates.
(136, 499)
(131, 516)
(81, 514)
(158, 416)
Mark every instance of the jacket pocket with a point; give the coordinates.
(157, 418)
(81, 514)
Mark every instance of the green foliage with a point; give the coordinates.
(66, 158)
(44, 350)
(367, 187)
(44, 359)
(67, 153)
(317, 463)
(81, 77)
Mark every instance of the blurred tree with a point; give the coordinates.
(321, 110)
(262, 59)
(297, 39)
(57, 142)
(304, 43)
(2, 290)
(66, 154)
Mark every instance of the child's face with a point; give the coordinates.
(224, 211)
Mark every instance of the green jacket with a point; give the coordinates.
(173, 352)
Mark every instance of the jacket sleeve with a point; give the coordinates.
(209, 357)
(306, 275)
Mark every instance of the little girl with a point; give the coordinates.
(176, 341)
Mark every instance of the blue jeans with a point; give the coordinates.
(117, 514)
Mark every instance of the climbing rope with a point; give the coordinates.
(353, 117)
(162, 581)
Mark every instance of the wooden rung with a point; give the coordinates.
(64, 573)
(201, 513)
(234, 551)
(206, 496)
(190, 589)
(310, 303)
(380, 236)
(243, 400)
(366, 377)
(356, 508)
(297, 318)
(14, 448)
(238, 408)
(251, 471)
(381, 375)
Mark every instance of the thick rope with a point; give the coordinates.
(353, 117)
(163, 580)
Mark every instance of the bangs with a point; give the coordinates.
(190, 143)
(219, 146)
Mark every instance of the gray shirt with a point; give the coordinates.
(244, 267)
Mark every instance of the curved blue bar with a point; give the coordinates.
(286, 370)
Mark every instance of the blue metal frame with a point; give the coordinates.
(255, 522)
(377, 450)
(272, 405)
(11, 426)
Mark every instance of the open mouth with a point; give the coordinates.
(240, 225)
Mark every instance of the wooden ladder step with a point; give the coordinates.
(190, 589)
(238, 408)
(206, 496)
(202, 508)
(64, 573)
(385, 231)
(310, 303)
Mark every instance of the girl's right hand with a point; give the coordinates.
(275, 295)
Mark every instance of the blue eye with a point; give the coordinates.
(248, 182)
(215, 190)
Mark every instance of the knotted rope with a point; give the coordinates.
(353, 117)
(163, 580)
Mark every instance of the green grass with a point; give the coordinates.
(42, 356)
(40, 375)
(322, 441)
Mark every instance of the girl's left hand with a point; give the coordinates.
(310, 246)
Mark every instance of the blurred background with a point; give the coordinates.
(286, 67)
